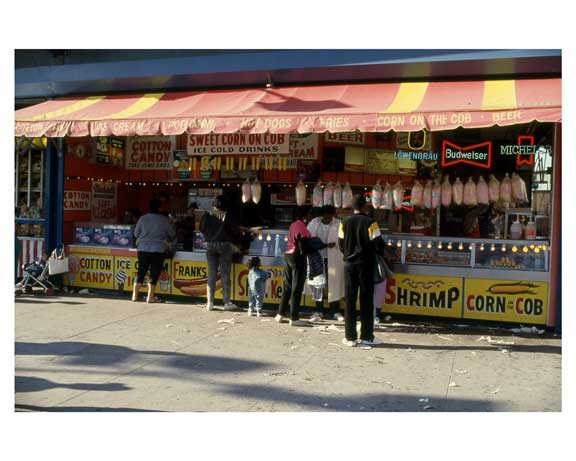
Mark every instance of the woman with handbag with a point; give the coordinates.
(154, 235)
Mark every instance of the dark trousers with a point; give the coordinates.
(294, 278)
(152, 261)
(359, 276)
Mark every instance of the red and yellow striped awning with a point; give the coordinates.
(365, 107)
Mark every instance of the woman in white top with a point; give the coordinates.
(325, 227)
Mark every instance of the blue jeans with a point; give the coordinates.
(256, 300)
(219, 256)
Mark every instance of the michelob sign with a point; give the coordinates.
(506, 300)
(424, 295)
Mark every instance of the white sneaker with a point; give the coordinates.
(209, 306)
(315, 317)
(297, 323)
(339, 317)
(230, 307)
(258, 313)
(348, 343)
(250, 312)
(279, 318)
(374, 342)
(376, 320)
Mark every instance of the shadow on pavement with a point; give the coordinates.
(33, 384)
(45, 301)
(81, 353)
(351, 403)
(537, 349)
(25, 408)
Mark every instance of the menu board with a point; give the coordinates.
(380, 161)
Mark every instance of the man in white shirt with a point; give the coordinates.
(325, 227)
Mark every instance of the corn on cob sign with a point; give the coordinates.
(506, 300)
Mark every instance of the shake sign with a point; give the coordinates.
(150, 153)
(273, 284)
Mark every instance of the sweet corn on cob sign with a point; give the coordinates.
(506, 300)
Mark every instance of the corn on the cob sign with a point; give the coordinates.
(506, 300)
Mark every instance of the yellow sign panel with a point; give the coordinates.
(273, 284)
(91, 271)
(424, 295)
(190, 279)
(506, 300)
(126, 270)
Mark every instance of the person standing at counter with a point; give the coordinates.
(222, 234)
(152, 233)
(359, 239)
(294, 269)
(325, 227)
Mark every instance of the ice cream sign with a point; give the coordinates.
(126, 270)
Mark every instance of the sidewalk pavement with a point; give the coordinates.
(108, 354)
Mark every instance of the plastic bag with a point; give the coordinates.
(470, 193)
(300, 193)
(446, 192)
(436, 194)
(387, 199)
(246, 191)
(457, 192)
(347, 196)
(338, 195)
(317, 195)
(518, 189)
(427, 195)
(398, 194)
(328, 196)
(493, 189)
(506, 189)
(416, 194)
(482, 192)
(377, 195)
(256, 190)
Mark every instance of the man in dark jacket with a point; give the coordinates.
(359, 239)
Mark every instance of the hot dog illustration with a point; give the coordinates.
(195, 287)
(517, 288)
(199, 290)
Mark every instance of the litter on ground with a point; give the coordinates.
(230, 321)
(453, 384)
(425, 400)
(444, 337)
(169, 325)
(533, 330)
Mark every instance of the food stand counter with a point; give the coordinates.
(483, 279)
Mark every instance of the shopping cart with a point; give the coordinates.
(35, 275)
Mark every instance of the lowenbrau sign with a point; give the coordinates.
(150, 153)
(238, 143)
